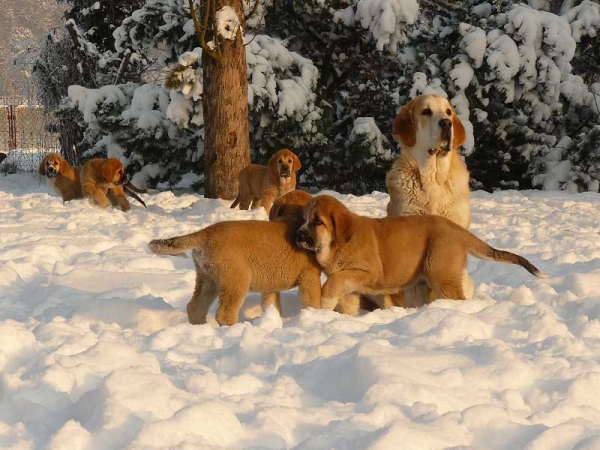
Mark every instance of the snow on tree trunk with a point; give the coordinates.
(225, 104)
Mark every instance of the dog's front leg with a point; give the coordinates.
(95, 195)
(342, 283)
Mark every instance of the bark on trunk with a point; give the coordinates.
(225, 103)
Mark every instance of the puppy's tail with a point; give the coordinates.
(177, 245)
(481, 250)
(236, 202)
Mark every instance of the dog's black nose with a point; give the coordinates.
(445, 124)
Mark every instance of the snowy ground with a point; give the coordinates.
(95, 351)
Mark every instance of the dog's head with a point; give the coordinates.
(113, 172)
(52, 165)
(283, 162)
(327, 222)
(290, 206)
(430, 122)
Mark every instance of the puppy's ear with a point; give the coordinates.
(343, 226)
(405, 129)
(297, 165)
(109, 169)
(42, 168)
(272, 164)
(274, 213)
(459, 134)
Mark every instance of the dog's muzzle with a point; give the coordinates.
(285, 172)
(303, 240)
(51, 172)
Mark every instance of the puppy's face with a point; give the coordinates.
(283, 162)
(51, 165)
(429, 122)
(114, 172)
(326, 222)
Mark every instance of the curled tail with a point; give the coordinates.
(481, 250)
(177, 245)
(236, 202)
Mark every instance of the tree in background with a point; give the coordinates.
(83, 53)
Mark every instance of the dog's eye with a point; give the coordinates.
(317, 221)
(427, 112)
(449, 112)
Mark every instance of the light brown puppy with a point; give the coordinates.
(261, 185)
(380, 256)
(102, 182)
(63, 177)
(429, 176)
(232, 258)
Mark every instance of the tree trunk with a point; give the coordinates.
(225, 104)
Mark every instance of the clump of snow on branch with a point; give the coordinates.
(365, 132)
(228, 23)
(387, 20)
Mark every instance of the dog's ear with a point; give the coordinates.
(343, 226)
(272, 164)
(109, 169)
(459, 134)
(297, 165)
(42, 168)
(274, 213)
(405, 129)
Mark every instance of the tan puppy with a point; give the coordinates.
(102, 182)
(261, 185)
(290, 205)
(63, 177)
(380, 256)
(235, 257)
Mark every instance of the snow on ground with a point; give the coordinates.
(95, 351)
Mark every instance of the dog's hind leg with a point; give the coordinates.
(271, 298)
(449, 287)
(231, 298)
(204, 296)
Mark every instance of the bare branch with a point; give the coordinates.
(201, 28)
(252, 11)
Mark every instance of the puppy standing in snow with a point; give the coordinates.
(380, 256)
(429, 176)
(61, 176)
(235, 257)
(261, 185)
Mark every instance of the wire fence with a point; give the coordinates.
(27, 134)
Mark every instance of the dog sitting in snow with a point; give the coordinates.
(261, 185)
(429, 176)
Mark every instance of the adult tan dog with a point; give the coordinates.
(61, 176)
(261, 185)
(104, 182)
(380, 256)
(233, 258)
(429, 176)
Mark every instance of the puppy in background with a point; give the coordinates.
(103, 182)
(261, 185)
(62, 177)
